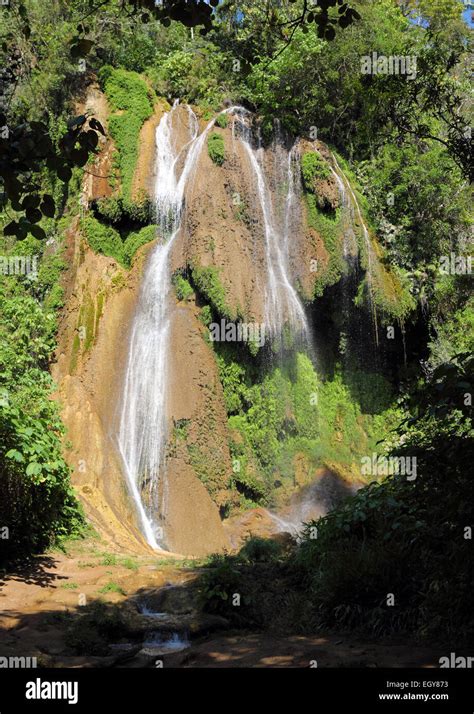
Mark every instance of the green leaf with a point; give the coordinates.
(33, 469)
(37, 232)
(15, 455)
(64, 173)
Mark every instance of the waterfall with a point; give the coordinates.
(142, 429)
(348, 207)
(282, 304)
(142, 433)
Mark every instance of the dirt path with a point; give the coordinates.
(263, 650)
(40, 601)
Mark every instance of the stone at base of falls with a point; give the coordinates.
(193, 525)
(135, 626)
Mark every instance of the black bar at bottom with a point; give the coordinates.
(116, 690)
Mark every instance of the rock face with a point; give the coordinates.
(192, 524)
(198, 431)
(90, 356)
(222, 228)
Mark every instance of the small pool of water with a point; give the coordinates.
(157, 643)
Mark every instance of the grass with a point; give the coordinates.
(112, 587)
(112, 559)
(222, 120)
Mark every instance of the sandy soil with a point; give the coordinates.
(38, 602)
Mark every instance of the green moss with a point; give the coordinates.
(87, 321)
(182, 287)
(135, 240)
(76, 346)
(215, 147)
(99, 310)
(119, 280)
(313, 168)
(211, 471)
(330, 229)
(208, 284)
(106, 240)
(132, 103)
(102, 238)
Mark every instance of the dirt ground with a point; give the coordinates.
(38, 602)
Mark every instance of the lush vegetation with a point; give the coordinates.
(131, 102)
(394, 558)
(285, 415)
(403, 144)
(104, 239)
(37, 504)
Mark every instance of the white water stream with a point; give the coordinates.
(142, 431)
(282, 304)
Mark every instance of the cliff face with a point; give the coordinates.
(222, 231)
(101, 299)
(88, 371)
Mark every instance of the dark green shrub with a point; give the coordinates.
(215, 147)
(260, 550)
(37, 504)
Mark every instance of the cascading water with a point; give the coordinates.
(142, 433)
(348, 206)
(142, 430)
(282, 304)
